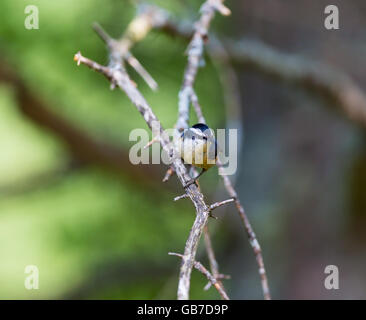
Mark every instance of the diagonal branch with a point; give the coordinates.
(118, 76)
(251, 234)
(214, 266)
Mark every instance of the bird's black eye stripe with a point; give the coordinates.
(204, 138)
(193, 137)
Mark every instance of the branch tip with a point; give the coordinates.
(150, 143)
(225, 11)
(219, 204)
(168, 174)
(183, 196)
(77, 57)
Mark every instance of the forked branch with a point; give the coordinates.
(212, 279)
(115, 72)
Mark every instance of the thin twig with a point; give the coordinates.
(148, 18)
(168, 174)
(197, 107)
(134, 63)
(214, 266)
(151, 142)
(252, 237)
(183, 196)
(102, 34)
(221, 203)
(209, 276)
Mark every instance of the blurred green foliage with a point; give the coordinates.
(78, 224)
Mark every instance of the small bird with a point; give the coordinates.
(198, 147)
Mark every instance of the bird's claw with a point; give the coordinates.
(189, 183)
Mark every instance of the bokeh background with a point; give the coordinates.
(98, 227)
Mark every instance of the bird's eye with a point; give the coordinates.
(204, 138)
(193, 137)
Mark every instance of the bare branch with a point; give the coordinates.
(134, 63)
(149, 17)
(197, 107)
(221, 203)
(102, 34)
(209, 276)
(183, 196)
(168, 174)
(220, 276)
(252, 237)
(151, 142)
(214, 266)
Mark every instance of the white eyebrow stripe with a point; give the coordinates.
(198, 132)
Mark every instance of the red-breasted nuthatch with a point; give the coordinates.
(198, 147)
